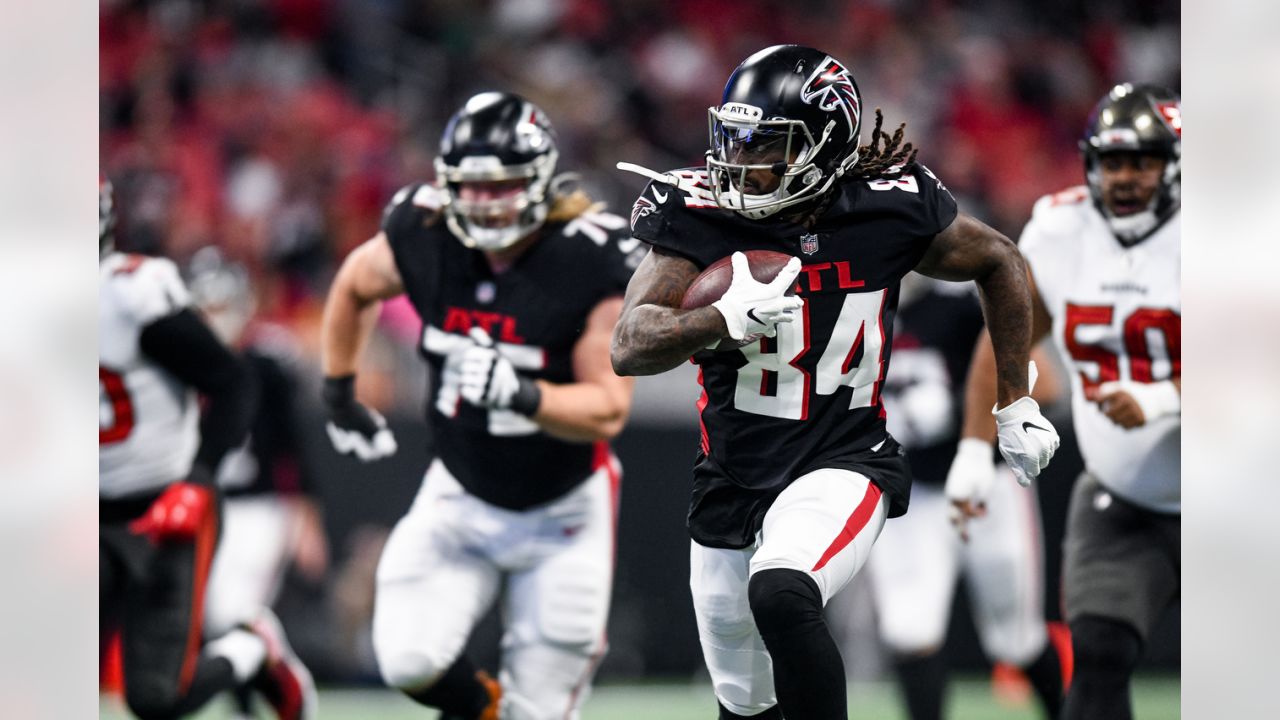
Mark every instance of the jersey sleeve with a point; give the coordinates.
(1040, 243)
(937, 202)
(410, 208)
(668, 217)
(151, 289)
(620, 253)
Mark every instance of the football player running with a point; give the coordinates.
(1106, 262)
(795, 473)
(158, 504)
(269, 515)
(919, 558)
(518, 284)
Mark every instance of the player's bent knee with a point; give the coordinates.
(783, 599)
(1106, 646)
(410, 670)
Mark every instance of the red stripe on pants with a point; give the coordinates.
(858, 520)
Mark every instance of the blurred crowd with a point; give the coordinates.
(278, 129)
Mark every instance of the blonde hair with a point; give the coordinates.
(571, 205)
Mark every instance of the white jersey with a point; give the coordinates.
(147, 434)
(1117, 315)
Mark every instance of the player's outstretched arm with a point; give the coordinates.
(367, 277)
(653, 334)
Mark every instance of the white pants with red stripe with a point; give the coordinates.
(920, 556)
(442, 569)
(824, 525)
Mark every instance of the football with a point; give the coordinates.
(714, 281)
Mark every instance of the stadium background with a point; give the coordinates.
(278, 129)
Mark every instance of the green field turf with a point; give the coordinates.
(1155, 698)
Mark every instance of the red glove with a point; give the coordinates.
(178, 515)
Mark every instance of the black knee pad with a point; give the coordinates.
(1105, 646)
(783, 600)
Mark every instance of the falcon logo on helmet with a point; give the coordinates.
(831, 86)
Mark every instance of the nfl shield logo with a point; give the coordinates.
(485, 292)
(808, 244)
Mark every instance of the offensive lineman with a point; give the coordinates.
(158, 505)
(918, 557)
(518, 286)
(1106, 261)
(795, 473)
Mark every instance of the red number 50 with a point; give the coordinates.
(1098, 364)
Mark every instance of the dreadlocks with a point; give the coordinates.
(875, 160)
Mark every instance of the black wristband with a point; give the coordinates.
(527, 398)
(339, 392)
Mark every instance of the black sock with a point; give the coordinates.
(1045, 674)
(457, 692)
(1106, 652)
(772, 713)
(808, 673)
(923, 679)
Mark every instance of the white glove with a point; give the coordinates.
(1155, 400)
(1027, 440)
(488, 380)
(972, 473)
(751, 307)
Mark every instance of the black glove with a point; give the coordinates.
(353, 428)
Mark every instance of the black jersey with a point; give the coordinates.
(535, 311)
(270, 461)
(933, 341)
(809, 398)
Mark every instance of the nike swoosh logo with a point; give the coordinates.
(661, 197)
(1029, 424)
(752, 314)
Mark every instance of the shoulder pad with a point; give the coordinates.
(1062, 212)
(148, 288)
(412, 202)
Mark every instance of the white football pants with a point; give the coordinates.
(920, 556)
(249, 566)
(441, 570)
(824, 525)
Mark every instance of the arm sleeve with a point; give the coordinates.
(184, 346)
(283, 397)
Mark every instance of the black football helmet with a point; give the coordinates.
(1144, 119)
(106, 216)
(789, 102)
(221, 290)
(497, 136)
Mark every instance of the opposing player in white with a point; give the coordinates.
(158, 505)
(1106, 260)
